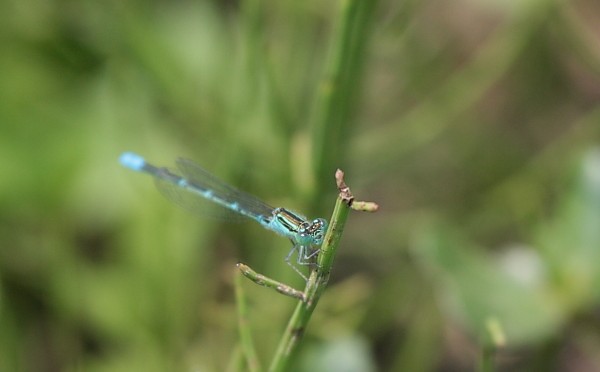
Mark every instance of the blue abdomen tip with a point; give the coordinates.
(132, 161)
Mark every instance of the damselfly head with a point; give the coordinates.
(317, 230)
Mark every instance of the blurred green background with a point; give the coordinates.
(475, 124)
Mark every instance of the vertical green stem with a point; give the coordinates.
(338, 89)
(247, 345)
(317, 282)
(494, 338)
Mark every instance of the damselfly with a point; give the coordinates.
(190, 181)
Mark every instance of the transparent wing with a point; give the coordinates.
(200, 178)
(190, 201)
(198, 191)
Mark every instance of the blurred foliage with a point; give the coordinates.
(474, 124)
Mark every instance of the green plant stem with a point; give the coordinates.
(493, 340)
(265, 281)
(339, 87)
(316, 284)
(247, 345)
